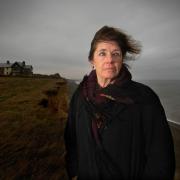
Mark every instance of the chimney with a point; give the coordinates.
(7, 62)
(23, 63)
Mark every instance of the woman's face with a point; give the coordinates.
(107, 60)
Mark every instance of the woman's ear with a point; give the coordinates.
(92, 64)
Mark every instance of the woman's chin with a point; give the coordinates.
(110, 76)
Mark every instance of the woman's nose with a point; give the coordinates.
(109, 58)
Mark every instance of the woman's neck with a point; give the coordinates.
(104, 82)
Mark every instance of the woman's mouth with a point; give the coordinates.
(109, 69)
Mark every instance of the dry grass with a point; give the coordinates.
(31, 136)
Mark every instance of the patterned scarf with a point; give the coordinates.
(99, 98)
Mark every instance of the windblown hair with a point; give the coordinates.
(129, 47)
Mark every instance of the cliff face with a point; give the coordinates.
(57, 98)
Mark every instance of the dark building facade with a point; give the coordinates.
(16, 69)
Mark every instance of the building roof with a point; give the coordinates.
(21, 64)
(28, 67)
(4, 65)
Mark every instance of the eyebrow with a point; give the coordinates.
(106, 50)
(102, 49)
(112, 51)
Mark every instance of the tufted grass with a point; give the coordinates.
(31, 136)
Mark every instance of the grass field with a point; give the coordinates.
(33, 112)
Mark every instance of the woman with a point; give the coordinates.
(116, 128)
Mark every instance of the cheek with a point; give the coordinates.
(98, 64)
(118, 65)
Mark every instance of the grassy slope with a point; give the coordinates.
(31, 136)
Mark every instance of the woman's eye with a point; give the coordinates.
(116, 54)
(102, 53)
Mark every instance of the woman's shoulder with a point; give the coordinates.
(148, 95)
(143, 87)
(76, 95)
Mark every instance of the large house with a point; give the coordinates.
(15, 69)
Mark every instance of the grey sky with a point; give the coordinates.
(54, 35)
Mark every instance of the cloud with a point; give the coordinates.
(54, 36)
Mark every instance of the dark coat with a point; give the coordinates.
(138, 140)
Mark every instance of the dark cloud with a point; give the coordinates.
(55, 35)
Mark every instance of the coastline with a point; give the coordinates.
(175, 130)
(174, 123)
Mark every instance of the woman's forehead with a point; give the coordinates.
(104, 45)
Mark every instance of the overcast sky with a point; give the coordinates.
(54, 35)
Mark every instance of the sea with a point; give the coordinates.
(169, 95)
(168, 92)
